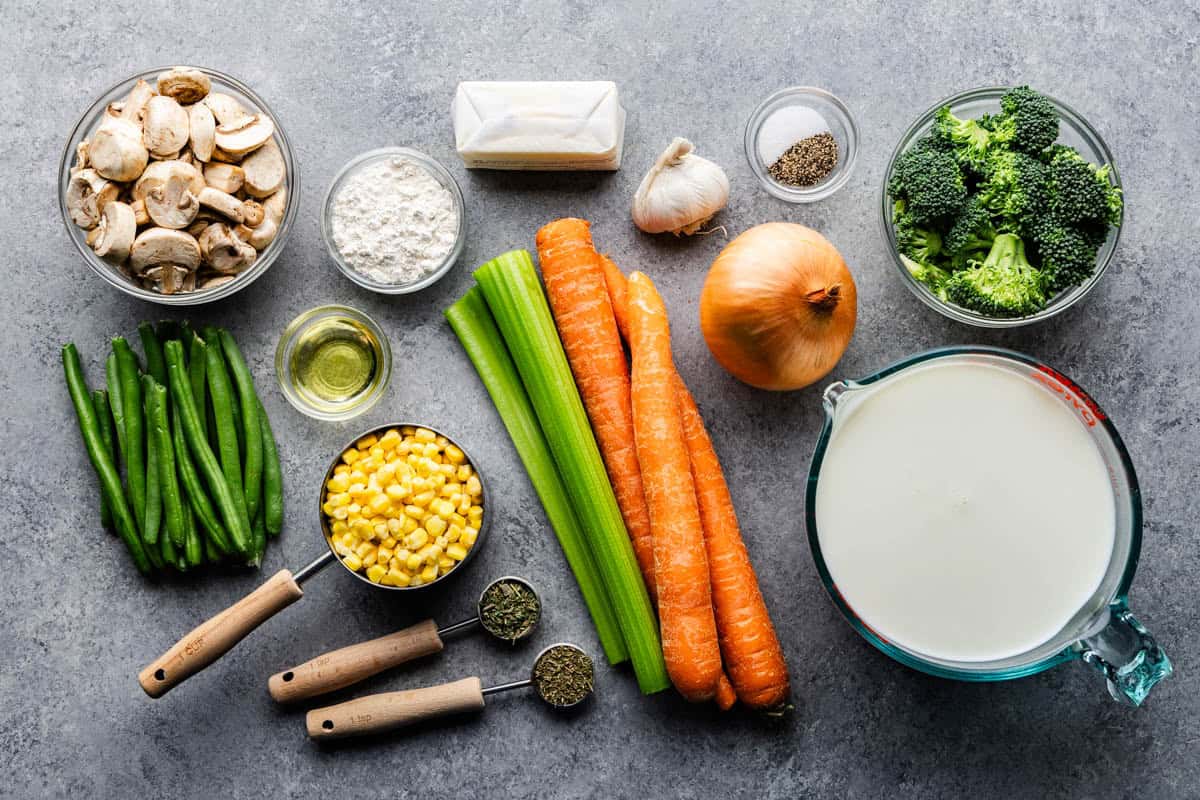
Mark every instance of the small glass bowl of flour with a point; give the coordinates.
(394, 220)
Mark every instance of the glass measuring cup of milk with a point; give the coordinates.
(975, 515)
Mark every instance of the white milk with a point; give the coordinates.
(963, 511)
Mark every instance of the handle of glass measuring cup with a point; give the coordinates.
(212, 639)
(378, 713)
(340, 668)
(1127, 655)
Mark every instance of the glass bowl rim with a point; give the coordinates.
(949, 310)
(439, 171)
(261, 264)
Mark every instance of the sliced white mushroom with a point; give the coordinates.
(224, 251)
(115, 233)
(184, 84)
(158, 246)
(117, 151)
(159, 172)
(165, 128)
(139, 212)
(197, 227)
(81, 157)
(221, 157)
(265, 170)
(87, 194)
(134, 107)
(169, 278)
(172, 204)
(202, 128)
(245, 135)
(223, 202)
(186, 156)
(227, 178)
(258, 237)
(252, 213)
(214, 281)
(275, 206)
(224, 107)
(114, 108)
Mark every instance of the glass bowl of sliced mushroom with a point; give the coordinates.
(178, 186)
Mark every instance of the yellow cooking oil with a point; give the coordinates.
(337, 362)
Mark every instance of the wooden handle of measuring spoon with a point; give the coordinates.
(340, 668)
(212, 639)
(377, 713)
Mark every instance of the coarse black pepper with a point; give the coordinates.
(807, 162)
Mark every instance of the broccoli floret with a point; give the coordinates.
(1080, 191)
(931, 275)
(930, 184)
(1004, 285)
(1015, 190)
(971, 236)
(1033, 117)
(1068, 257)
(973, 140)
(918, 242)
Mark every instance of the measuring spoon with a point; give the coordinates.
(212, 639)
(340, 668)
(378, 713)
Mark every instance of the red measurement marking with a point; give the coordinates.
(1065, 388)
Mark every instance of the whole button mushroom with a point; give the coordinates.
(116, 150)
(185, 85)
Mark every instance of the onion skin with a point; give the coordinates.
(778, 307)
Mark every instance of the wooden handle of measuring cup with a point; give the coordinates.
(384, 712)
(212, 639)
(340, 668)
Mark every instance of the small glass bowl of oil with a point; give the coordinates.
(333, 363)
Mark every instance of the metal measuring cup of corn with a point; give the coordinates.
(562, 676)
(508, 608)
(211, 639)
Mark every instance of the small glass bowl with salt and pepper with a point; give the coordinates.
(394, 220)
(802, 144)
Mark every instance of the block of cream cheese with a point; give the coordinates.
(539, 125)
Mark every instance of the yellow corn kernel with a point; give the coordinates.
(380, 530)
(474, 487)
(429, 574)
(370, 559)
(375, 451)
(368, 465)
(436, 526)
(366, 442)
(449, 489)
(388, 541)
(416, 581)
(393, 578)
(442, 441)
(385, 553)
(339, 499)
(468, 537)
(338, 483)
(423, 499)
(364, 548)
(413, 562)
(395, 492)
(438, 481)
(348, 539)
(446, 471)
(453, 534)
(354, 509)
(416, 512)
(355, 492)
(412, 459)
(340, 513)
(441, 542)
(375, 573)
(475, 513)
(386, 474)
(353, 562)
(417, 539)
(338, 527)
(350, 456)
(394, 526)
(379, 503)
(408, 430)
(403, 448)
(456, 551)
(454, 455)
(328, 508)
(345, 551)
(341, 469)
(425, 435)
(444, 509)
(457, 519)
(445, 564)
(462, 473)
(410, 525)
(432, 553)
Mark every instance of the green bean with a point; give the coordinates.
(152, 347)
(197, 364)
(272, 476)
(154, 505)
(197, 497)
(104, 418)
(259, 537)
(252, 476)
(232, 511)
(114, 400)
(211, 553)
(160, 428)
(110, 480)
(135, 441)
(221, 391)
(193, 548)
(171, 555)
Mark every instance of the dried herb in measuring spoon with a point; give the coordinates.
(563, 675)
(509, 609)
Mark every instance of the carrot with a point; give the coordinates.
(753, 657)
(618, 294)
(726, 696)
(579, 299)
(685, 610)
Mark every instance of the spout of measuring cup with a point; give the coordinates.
(1127, 655)
(833, 394)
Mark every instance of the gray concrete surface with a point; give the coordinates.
(78, 622)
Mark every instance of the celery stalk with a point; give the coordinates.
(513, 293)
(473, 323)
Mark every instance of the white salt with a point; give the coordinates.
(784, 128)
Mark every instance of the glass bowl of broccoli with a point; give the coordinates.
(1001, 207)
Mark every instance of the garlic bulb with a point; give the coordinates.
(680, 193)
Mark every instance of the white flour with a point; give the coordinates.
(393, 222)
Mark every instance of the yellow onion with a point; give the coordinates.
(778, 306)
